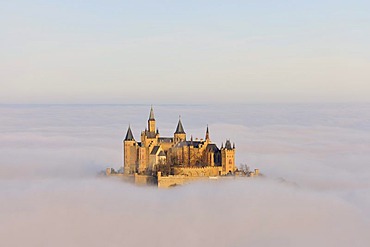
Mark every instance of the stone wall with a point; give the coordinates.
(208, 171)
(145, 180)
(172, 180)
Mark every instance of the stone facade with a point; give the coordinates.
(168, 154)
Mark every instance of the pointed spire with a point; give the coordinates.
(129, 135)
(207, 134)
(180, 128)
(151, 114)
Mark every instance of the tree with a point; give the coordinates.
(244, 168)
(163, 167)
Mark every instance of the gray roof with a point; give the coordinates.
(212, 148)
(228, 145)
(195, 144)
(151, 114)
(155, 150)
(180, 128)
(161, 153)
(129, 135)
(181, 144)
(150, 134)
(165, 139)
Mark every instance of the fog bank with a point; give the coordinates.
(315, 191)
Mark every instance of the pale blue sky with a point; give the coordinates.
(211, 51)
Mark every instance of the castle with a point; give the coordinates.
(175, 155)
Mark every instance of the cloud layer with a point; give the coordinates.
(315, 191)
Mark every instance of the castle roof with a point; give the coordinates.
(228, 145)
(195, 144)
(180, 128)
(165, 139)
(150, 134)
(151, 114)
(212, 148)
(155, 150)
(129, 135)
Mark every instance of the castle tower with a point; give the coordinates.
(129, 153)
(179, 134)
(151, 121)
(228, 158)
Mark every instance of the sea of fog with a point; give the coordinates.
(315, 190)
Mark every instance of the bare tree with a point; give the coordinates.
(163, 167)
(244, 168)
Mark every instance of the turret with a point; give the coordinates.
(179, 134)
(129, 135)
(151, 121)
(129, 152)
(228, 158)
(228, 145)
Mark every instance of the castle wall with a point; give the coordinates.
(130, 156)
(142, 159)
(153, 160)
(165, 146)
(151, 125)
(185, 175)
(170, 181)
(173, 180)
(207, 171)
(179, 137)
(228, 160)
(209, 158)
(144, 180)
